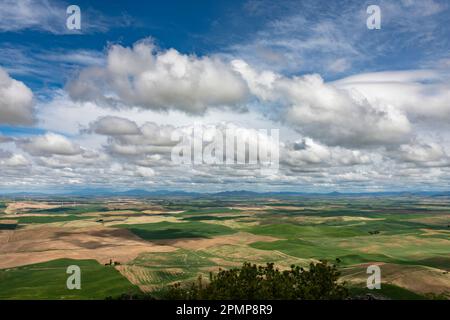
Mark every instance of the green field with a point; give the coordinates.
(48, 281)
(73, 209)
(390, 291)
(169, 230)
(408, 236)
(49, 219)
(7, 226)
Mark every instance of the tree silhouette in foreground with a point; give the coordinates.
(252, 282)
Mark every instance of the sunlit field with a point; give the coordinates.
(153, 243)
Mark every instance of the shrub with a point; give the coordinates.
(252, 282)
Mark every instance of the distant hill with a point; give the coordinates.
(103, 192)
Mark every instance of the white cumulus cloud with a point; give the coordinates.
(161, 80)
(49, 144)
(16, 101)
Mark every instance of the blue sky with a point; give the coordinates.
(309, 68)
(197, 27)
(408, 39)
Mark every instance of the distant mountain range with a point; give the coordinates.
(98, 192)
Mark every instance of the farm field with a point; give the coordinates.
(154, 242)
(47, 281)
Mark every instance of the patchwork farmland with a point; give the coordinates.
(155, 242)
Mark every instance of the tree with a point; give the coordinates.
(252, 282)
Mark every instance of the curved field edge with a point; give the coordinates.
(48, 281)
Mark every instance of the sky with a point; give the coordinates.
(357, 109)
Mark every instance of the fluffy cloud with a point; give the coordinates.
(422, 154)
(114, 126)
(16, 101)
(420, 94)
(154, 144)
(150, 134)
(325, 112)
(92, 160)
(377, 130)
(339, 117)
(126, 138)
(15, 160)
(145, 172)
(307, 152)
(161, 80)
(48, 145)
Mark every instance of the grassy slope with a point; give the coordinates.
(48, 281)
(48, 219)
(170, 230)
(320, 230)
(399, 240)
(388, 291)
